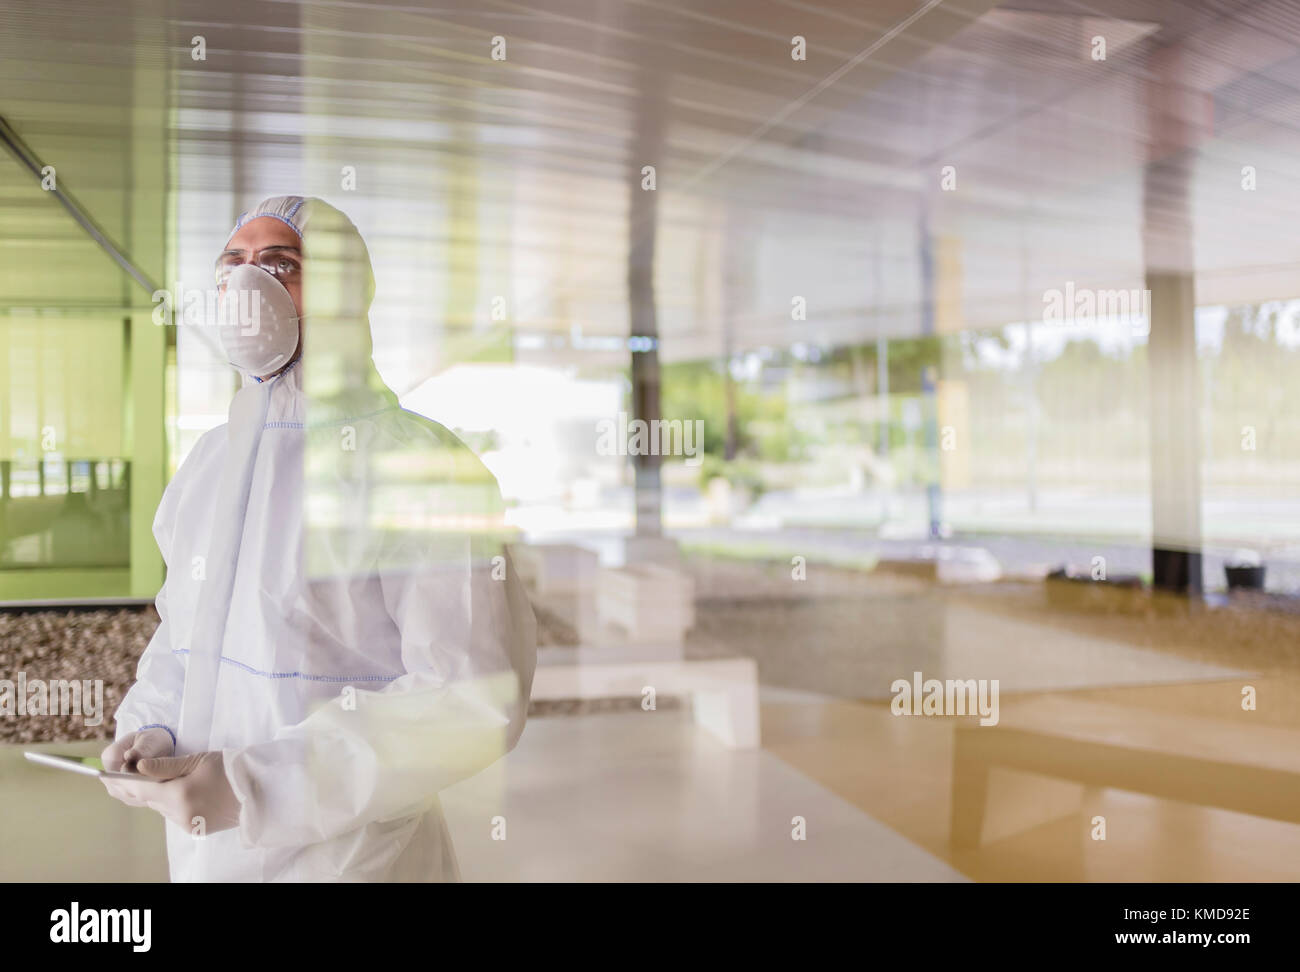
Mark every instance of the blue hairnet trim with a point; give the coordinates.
(159, 725)
(303, 675)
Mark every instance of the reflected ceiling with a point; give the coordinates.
(479, 178)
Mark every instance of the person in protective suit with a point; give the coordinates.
(342, 631)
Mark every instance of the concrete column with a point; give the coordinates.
(645, 361)
(1179, 117)
(647, 149)
(1175, 433)
(882, 351)
(929, 382)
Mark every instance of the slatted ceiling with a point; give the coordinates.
(737, 42)
(1215, 56)
(1278, 22)
(1014, 89)
(1274, 123)
(1028, 43)
(549, 54)
(1275, 20)
(1177, 18)
(1049, 145)
(1069, 130)
(696, 60)
(1274, 112)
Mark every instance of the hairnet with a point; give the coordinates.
(290, 210)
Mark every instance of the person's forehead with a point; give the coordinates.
(262, 232)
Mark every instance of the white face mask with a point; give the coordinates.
(259, 328)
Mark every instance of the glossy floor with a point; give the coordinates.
(1135, 723)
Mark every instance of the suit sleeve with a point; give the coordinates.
(468, 647)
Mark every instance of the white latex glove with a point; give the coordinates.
(123, 755)
(190, 791)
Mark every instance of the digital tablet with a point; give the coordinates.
(86, 765)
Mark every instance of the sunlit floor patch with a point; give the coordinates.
(650, 797)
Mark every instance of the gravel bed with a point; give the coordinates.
(72, 645)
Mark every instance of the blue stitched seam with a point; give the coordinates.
(310, 678)
(159, 725)
(283, 425)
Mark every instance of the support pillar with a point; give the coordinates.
(1175, 434)
(1179, 117)
(643, 321)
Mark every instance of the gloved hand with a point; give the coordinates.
(190, 791)
(122, 755)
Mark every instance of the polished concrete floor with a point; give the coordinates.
(1039, 827)
(649, 797)
(637, 796)
(1131, 717)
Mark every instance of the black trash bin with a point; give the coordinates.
(1245, 577)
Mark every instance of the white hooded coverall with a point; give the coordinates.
(338, 610)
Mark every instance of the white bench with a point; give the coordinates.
(723, 692)
(555, 568)
(649, 603)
